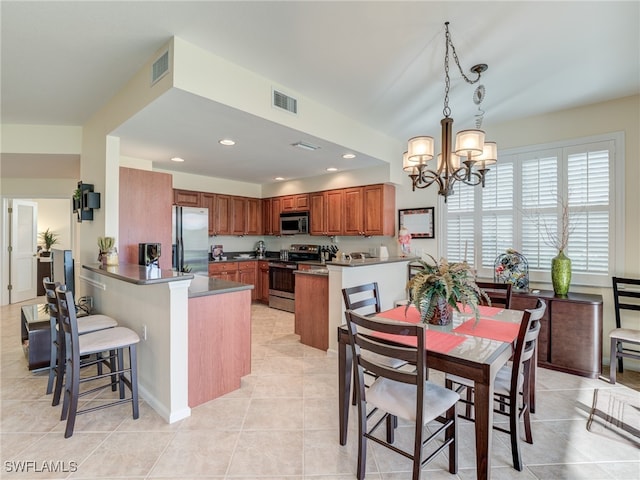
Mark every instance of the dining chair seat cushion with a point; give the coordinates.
(109, 339)
(399, 399)
(91, 323)
(382, 360)
(628, 334)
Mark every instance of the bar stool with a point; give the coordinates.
(114, 340)
(90, 323)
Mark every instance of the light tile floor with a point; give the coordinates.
(282, 424)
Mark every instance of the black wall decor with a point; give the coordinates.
(84, 201)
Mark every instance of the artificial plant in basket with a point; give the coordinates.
(443, 286)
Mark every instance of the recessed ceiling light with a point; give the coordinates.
(177, 159)
(347, 156)
(227, 142)
(332, 169)
(279, 178)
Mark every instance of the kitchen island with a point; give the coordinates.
(178, 317)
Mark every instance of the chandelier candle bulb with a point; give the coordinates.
(469, 143)
(420, 149)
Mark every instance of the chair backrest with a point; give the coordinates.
(52, 305)
(363, 299)
(363, 333)
(525, 345)
(626, 296)
(67, 318)
(535, 315)
(498, 293)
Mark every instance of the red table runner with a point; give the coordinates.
(435, 341)
(493, 329)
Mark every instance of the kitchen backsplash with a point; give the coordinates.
(346, 244)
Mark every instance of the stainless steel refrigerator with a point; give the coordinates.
(190, 239)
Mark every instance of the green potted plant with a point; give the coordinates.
(443, 286)
(106, 246)
(48, 239)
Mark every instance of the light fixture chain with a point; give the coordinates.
(455, 57)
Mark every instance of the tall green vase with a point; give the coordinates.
(561, 273)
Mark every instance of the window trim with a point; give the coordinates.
(617, 211)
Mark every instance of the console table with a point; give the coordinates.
(570, 337)
(36, 335)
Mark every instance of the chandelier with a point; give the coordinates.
(468, 159)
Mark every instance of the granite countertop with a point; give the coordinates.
(138, 274)
(357, 262)
(202, 286)
(322, 272)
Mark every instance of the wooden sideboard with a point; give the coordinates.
(571, 333)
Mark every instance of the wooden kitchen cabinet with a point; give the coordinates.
(239, 215)
(209, 202)
(187, 198)
(248, 273)
(295, 203)
(570, 338)
(223, 215)
(263, 281)
(369, 210)
(276, 209)
(254, 217)
(267, 225)
(326, 212)
(224, 271)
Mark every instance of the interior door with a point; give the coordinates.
(23, 239)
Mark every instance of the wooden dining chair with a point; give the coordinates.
(365, 300)
(498, 293)
(625, 339)
(512, 384)
(404, 393)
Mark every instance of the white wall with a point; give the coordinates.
(56, 214)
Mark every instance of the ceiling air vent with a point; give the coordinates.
(160, 67)
(285, 102)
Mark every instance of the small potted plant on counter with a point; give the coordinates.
(49, 239)
(108, 253)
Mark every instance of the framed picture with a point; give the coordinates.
(419, 221)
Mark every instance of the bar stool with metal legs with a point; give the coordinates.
(115, 340)
(86, 324)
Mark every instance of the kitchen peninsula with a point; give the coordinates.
(195, 331)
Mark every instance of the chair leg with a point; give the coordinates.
(391, 422)
(514, 428)
(619, 349)
(612, 361)
(120, 364)
(133, 363)
(417, 451)
(73, 399)
(452, 432)
(362, 441)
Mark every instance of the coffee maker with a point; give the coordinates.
(260, 249)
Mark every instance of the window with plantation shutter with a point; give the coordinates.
(521, 207)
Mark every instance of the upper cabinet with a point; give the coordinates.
(367, 211)
(295, 203)
(187, 198)
(325, 213)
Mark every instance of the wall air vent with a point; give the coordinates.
(285, 102)
(305, 146)
(160, 67)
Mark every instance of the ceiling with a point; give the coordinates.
(379, 63)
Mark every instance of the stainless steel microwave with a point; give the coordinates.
(294, 223)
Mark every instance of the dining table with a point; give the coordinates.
(470, 347)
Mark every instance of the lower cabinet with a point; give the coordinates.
(570, 338)
(263, 281)
(243, 272)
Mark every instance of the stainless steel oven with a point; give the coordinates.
(282, 285)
